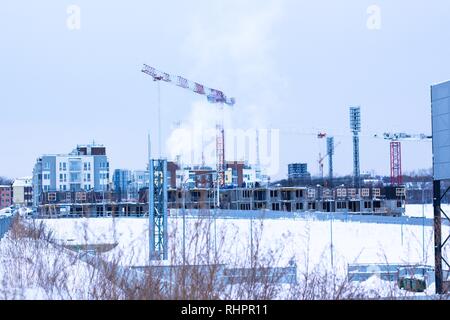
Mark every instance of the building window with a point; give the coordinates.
(342, 205)
(80, 196)
(75, 165)
(400, 192)
(52, 197)
(352, 193)
(341, 193)
(376, 192)
(365, 192)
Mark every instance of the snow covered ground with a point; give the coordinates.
(36, 270)
(6, 212)
(307, 241)
(416, 210)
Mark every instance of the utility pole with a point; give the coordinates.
(423, 225)
(331, 243)
(184, 223)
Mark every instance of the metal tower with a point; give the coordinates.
(355, 127)
(157, 202)
(330, 152)
(396, 151)
(396, 163)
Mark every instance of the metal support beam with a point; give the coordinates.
(396, 163)
(330, 151)
(356, 167)
(220, 154)
(437, 236)
(158, 210)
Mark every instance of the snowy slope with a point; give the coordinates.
(307, 241)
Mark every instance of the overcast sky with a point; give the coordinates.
(289, 64)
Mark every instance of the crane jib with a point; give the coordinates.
(213, 95)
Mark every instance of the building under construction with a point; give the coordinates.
(388, 201)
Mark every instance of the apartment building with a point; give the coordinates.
(85, 168)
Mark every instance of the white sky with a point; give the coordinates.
(290, 64)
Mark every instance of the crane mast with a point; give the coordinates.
(396, 151)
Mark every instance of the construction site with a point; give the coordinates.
(231, 185)
(235, 188)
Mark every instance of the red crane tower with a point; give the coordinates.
(213, 96)
(396, 152)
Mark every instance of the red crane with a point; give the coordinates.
(213, 96)
(396, 152)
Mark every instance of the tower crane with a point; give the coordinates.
(396, 151)
(330, 152)
(213, 96)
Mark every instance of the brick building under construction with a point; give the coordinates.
(388, 201)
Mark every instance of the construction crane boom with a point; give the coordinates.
(213, 95)
(404, 136)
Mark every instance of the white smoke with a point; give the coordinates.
(231, 48)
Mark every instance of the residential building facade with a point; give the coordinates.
(23, 192)
(86, 168)
(121, 183)
(5, 196)
(298, 171)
